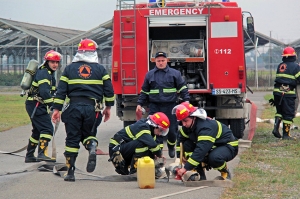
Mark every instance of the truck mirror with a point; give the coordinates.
(250, 27)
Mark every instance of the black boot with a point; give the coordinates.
(225, 173)
(171, 149)
(70, 162)
(30, 152)
(276, 127)
(201, 172)
(91, 146)
(286, 132)
(43, 151)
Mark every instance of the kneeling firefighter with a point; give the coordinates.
(40, 96)
(138, 140)
(206, 143)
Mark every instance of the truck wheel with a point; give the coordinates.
(126, 123)
(237, 126)
(224, 121)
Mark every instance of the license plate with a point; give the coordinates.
(226, 91)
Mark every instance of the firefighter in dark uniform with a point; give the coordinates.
(40, 96)
(287, 75)
(137, 140)
(87, 84)
(160, 89)
(205, 141)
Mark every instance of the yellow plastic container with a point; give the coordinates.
(146, 173)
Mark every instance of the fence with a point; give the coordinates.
(265, 71)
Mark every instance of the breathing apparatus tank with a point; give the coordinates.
(28, 76)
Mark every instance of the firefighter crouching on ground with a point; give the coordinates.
(138, 140)
(87, 84)
(40, 96)
(160, 88)
(288, 72)
(204, 141)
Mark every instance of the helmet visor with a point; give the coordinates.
(163, 131)
(181, 112)
(174, 109)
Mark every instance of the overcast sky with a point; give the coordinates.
(280, 17)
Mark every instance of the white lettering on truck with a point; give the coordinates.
(176, 11)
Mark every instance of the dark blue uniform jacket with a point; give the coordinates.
(163, 85)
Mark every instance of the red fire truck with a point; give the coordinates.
(203, 40)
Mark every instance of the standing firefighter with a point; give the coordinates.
(136, 141)
(204, 141)
(87, 84)
(160, 88)
(288, 72)
(40, 96)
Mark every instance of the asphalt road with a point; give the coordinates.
(22, 180)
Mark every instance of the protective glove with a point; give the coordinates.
(272, 102)
(117, 159)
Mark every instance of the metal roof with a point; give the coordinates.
(101, 34)
(295, 44)
(13, 33)
(262, 40)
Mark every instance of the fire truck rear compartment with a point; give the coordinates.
(194, 73)
(177, 33)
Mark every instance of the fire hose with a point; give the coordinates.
(15, 152)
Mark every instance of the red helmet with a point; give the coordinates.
(161, 121)
(288, 51)
(183, 110)
(52, 56)
(87, 45)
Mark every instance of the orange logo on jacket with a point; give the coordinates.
(282, 68)
(85, 71)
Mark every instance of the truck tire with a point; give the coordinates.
(237, 126)
(224, 121)
(126, 123)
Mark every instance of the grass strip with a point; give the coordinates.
(270, 168)
(13, 112)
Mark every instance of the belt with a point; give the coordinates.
(35, 98)
(278, 85)
(30, 98)
(84, 100)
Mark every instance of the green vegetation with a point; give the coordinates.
(13, 112)
(10, 79)
(270, 168)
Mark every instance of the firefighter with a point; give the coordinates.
(205, 142)
(160, 89)
(40, 97)
(87, 84)
(287, 75)
(137, 140)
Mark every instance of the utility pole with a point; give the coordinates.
(256, 71)
(270, 67)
